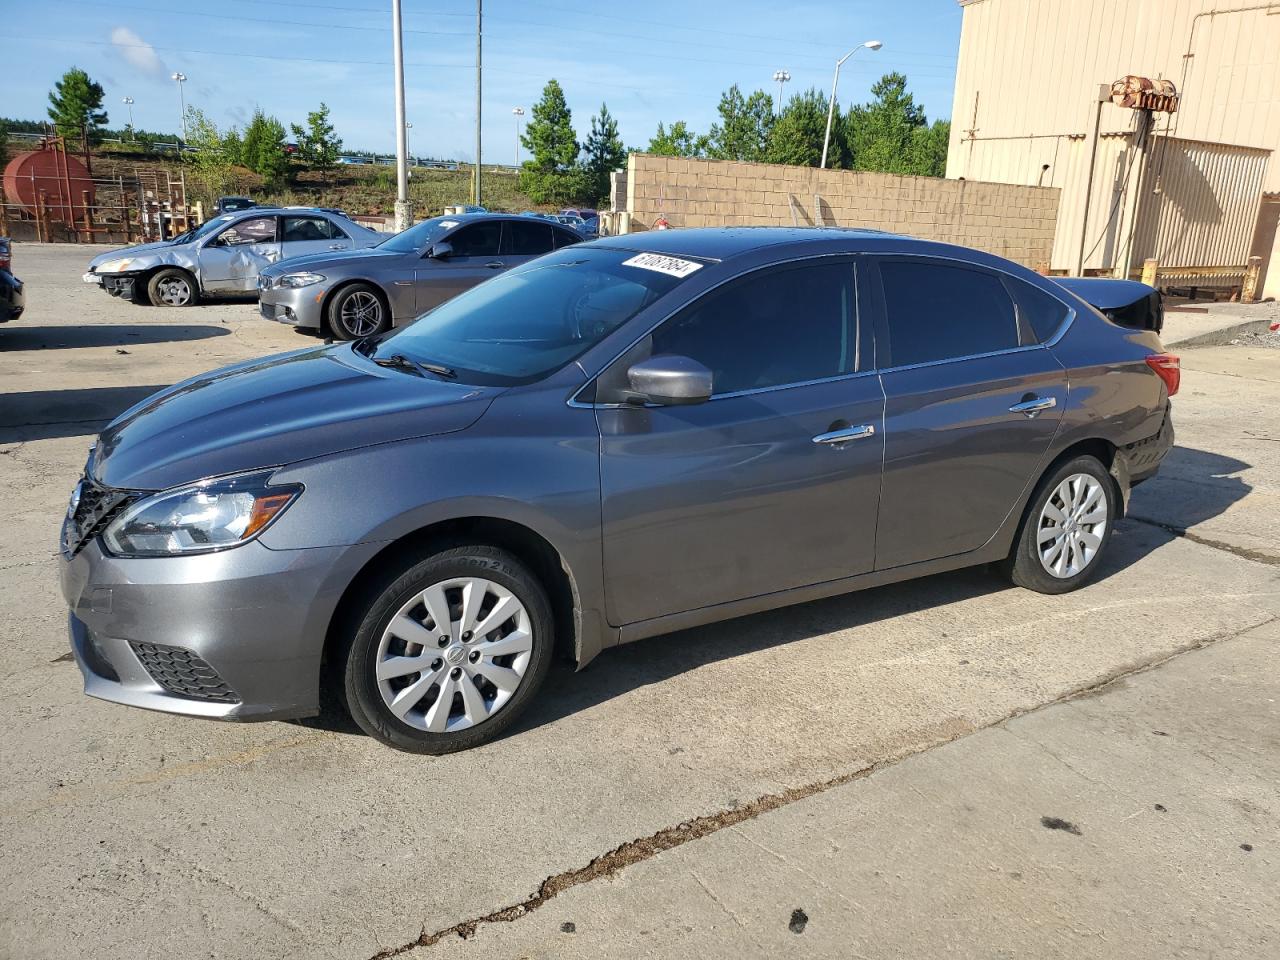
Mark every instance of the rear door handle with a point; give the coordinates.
(337, 246)
(1034, 406)
(847, 434)
(495, 264)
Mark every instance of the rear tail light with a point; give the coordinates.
(1166, 365)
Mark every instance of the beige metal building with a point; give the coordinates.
(1198, 189)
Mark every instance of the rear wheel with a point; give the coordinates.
(449, 654)
(171, 287)
(358, 311)
(1066, 528)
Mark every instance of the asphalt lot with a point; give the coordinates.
(882, 763)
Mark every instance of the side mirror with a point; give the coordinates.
(440, 251)
(670, 381)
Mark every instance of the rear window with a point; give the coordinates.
(1038, 312)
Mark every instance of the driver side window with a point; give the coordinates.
(257, 230)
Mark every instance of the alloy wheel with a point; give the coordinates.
(361, 313)
(175, 291)
(454, 655)
(1072, 524)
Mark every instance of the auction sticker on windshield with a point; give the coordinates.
(672, 266)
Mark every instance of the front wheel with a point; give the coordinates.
(171, 287)
(1066, 528)
(358, 311)
(449, 654)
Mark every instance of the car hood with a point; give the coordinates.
(130, 252)
(321, 261)
(275, 411)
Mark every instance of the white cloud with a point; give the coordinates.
(137, 51)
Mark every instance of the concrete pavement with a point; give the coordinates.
(137, 835)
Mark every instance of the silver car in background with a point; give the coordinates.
(223, 255)
(358, 293)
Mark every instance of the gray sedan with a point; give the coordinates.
(633, 436)
(223, 255)
(351, 295)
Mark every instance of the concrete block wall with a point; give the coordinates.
(1010, 220)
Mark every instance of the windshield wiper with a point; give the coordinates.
(399, 361)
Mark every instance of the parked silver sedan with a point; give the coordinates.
(358, 293)
(223, 255)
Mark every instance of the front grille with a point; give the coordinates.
(181, 672)
(98, 506)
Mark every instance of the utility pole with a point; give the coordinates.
(1091, 149)
(517, 112)
(404, 210)
(479, 65)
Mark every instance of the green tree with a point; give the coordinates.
(317, 145)
(929, 149)
(209, 154)
(603, 151)
(884, 135)
(75, 107)
(678, 141)
(743, 130)
(797, 133)
(233, 146)
(263, 148)
(549, 136)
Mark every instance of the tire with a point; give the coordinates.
(383, 666)
(172, 287)
(1078, 489)
(356, 311)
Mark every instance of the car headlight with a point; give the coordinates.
(213, 515)
(292, 281)
(114, 266)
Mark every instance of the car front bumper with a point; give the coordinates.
(123, 285)
(301, 307)
(235, 635)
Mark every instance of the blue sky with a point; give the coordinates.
(660, 60)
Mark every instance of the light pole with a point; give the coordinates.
(517, 112)
(831, 107)
(128, 102)
(181, 78)
(404, 213)
(479, 65)
(408, 125)
(780, 77)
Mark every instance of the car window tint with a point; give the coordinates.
(527, 239)
(477, 240)
(300, 229)
(566, 238)
(770, 329)
(936, 312)
(257, 230)
(1039, 312)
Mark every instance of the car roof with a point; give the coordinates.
(721, 243)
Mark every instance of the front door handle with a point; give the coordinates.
(495, 264)
(1033, 407)
(337, 246)
(847, 434)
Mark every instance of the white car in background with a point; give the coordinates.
(223, 255)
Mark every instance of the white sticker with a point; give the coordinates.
(448, 224)
(672, 266)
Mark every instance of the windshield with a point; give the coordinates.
(419, 235)
(523, 324)
(206, 228)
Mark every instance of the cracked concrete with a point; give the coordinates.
(117, 822)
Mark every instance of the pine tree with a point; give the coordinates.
(549, 135)
(317, 145)
(797, 134)
(678, 141)
(745, 122)
(883, 135)
(604, 151)
(263, 148)
(75, 107)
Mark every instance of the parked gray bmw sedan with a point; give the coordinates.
(355, 294)
(620, 439)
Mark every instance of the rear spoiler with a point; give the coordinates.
(1127, 303)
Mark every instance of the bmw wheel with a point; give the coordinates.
(449, 654)
(1066, 528)
(171, 287)
(358, 311)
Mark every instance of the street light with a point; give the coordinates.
(517, 112)
(128, 102)
(181, 78)
(408, 154)
(780, 77)
(831, 108)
